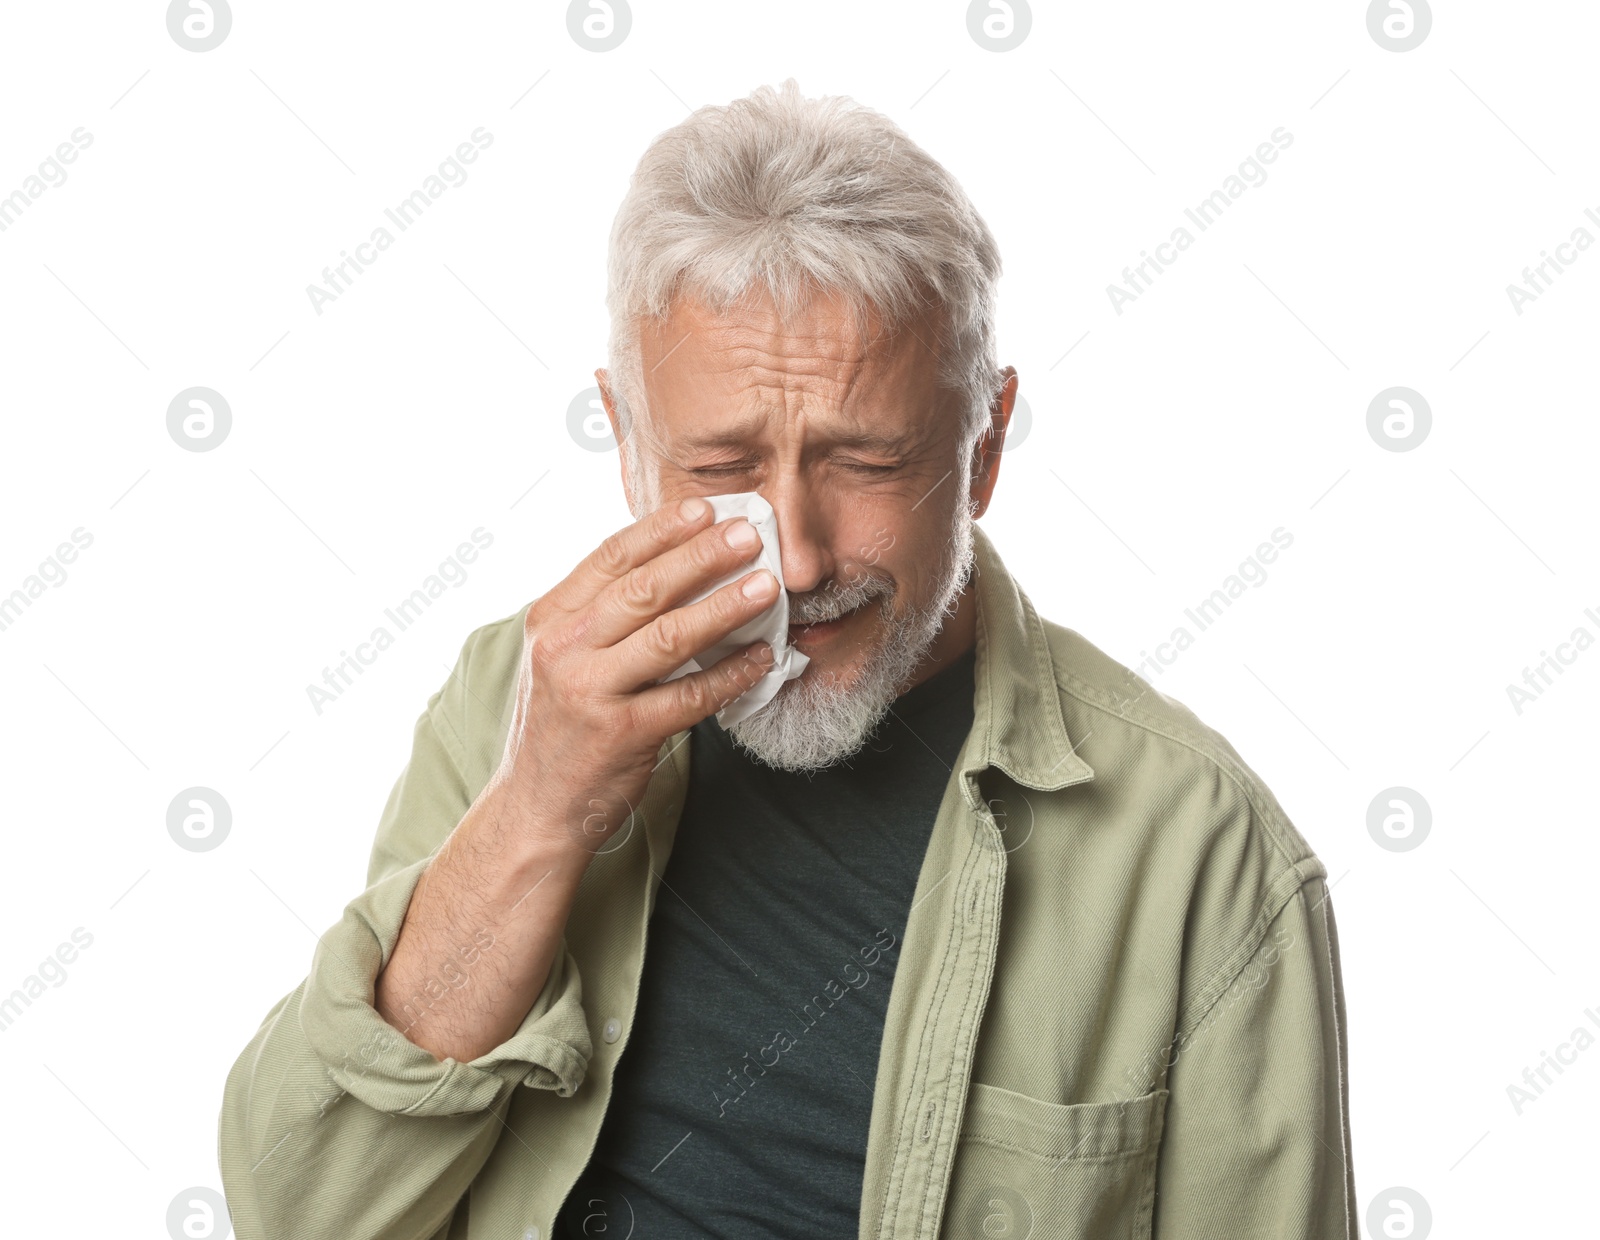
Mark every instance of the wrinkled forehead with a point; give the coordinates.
(831, 359)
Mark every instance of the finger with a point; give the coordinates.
(684, 702)
(671, 639)
(627, 548)
(657, 586)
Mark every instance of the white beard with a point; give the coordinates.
(814, 722)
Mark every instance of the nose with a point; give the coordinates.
(803, 535)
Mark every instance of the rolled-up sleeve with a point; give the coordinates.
(327, 1091)
(1257, 1136)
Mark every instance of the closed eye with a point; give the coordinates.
(862, 467)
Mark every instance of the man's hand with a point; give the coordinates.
(590, 716)
(581, 747)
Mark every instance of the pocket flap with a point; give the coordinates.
(1056, 1130)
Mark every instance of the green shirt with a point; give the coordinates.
(1117, 1009)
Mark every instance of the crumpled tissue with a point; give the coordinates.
(771, 626)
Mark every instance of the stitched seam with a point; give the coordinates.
(982, 635)
(924, 1046)
(1229, 971)
(1147, 1194)
(1338, 1034)
(1268, 818)
(1043, 665)
(966, 1035)
(1094, 695)
(1072, 1161)
(897, 1185)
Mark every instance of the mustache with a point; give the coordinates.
(838, 598)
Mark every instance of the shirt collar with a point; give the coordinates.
(1017, 724)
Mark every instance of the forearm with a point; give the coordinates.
(481, 932)
(334, 1126)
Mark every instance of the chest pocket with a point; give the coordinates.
(1027, 1169)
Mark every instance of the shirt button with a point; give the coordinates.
(612, 1030)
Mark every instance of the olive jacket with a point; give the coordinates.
(1117, 1010)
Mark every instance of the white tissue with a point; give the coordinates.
(771, 626)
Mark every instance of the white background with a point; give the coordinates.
(1167, 442)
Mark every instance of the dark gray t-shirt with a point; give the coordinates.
(740, 1108)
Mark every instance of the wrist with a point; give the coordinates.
(528, 842)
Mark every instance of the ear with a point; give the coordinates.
(603, 378)
(985, 465)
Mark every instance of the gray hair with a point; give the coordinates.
(794, 195)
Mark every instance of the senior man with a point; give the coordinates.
(968, 932)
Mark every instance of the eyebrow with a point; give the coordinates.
(869, 440)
